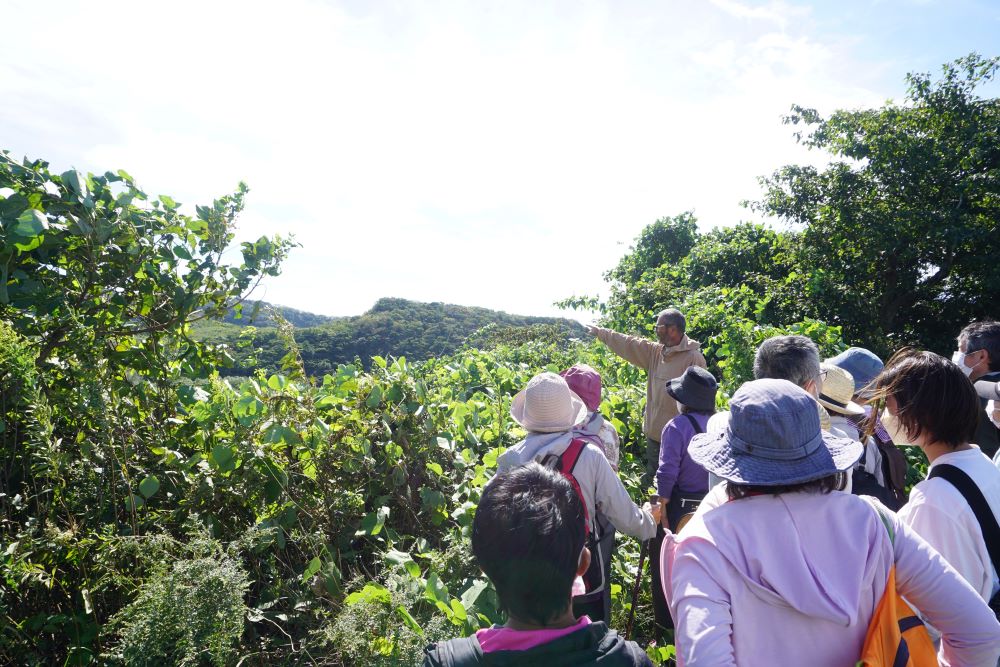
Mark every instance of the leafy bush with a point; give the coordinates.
(190, 613)
(375, 628)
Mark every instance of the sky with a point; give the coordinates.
(495, 154)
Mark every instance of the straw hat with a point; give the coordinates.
(547, 405)
(773, 438)
(838, 390)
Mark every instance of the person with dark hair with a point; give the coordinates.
(528, 537)
(550, 412)
(930, 404)
(789, 573)
(663, 361)
(978, 356)
(680, 482)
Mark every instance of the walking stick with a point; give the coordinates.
(643, 550)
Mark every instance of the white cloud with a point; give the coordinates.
(500, 155)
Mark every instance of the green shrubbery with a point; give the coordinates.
(186, 612)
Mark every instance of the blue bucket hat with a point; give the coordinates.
(773, 439)
(863, 365)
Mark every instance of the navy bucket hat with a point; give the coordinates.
(773, 439)
(696, 389)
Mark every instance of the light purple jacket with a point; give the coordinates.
(794, 580)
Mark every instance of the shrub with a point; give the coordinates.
(189, 614)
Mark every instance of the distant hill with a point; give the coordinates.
(258, 314)
(396, 327)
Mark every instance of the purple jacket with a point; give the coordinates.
(676, 467)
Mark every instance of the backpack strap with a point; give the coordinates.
(567, 463)
(984, 515)
(885, 519)
(694, 423)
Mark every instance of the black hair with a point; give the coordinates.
(527, 537)
(688, 410)
(835, 482)
(932, 396)
(983, 336)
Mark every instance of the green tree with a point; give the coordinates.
(666, 241)
(98, 287)
(899, 233)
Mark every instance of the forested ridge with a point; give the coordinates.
(398, 327)
(157, 509)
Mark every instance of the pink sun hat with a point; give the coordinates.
(585, 382)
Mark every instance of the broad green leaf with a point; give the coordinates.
(149, 486)
(222, 454)
(375, 397)
(459, 609)
(77, 182)
(373, 522)
(279, 434)
(370, 593)
(29, 225)
(247, 409)
(471, 594)
(431, 498)
(409, 620)
(435, 589)
(314, 566)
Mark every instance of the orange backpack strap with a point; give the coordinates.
(896, 636)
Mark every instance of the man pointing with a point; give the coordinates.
(663, 361)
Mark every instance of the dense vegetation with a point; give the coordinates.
(895, 241)
(154, 512)
(399, 327)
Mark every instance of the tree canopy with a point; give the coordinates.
(899, 234)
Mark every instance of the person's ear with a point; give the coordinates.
(812, 388)
(983, 357)
(584, 563)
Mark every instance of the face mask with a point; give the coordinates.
(959, 358)
(894, 428)
(991, 412)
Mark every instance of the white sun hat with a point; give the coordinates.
(547, 405)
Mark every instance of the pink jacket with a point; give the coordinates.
(794, 580)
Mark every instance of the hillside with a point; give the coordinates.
(396, 327)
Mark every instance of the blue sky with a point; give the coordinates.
(499, 154)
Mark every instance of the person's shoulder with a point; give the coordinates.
(458, 652)
(932, 493)
(613, 650)
(592, 458)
